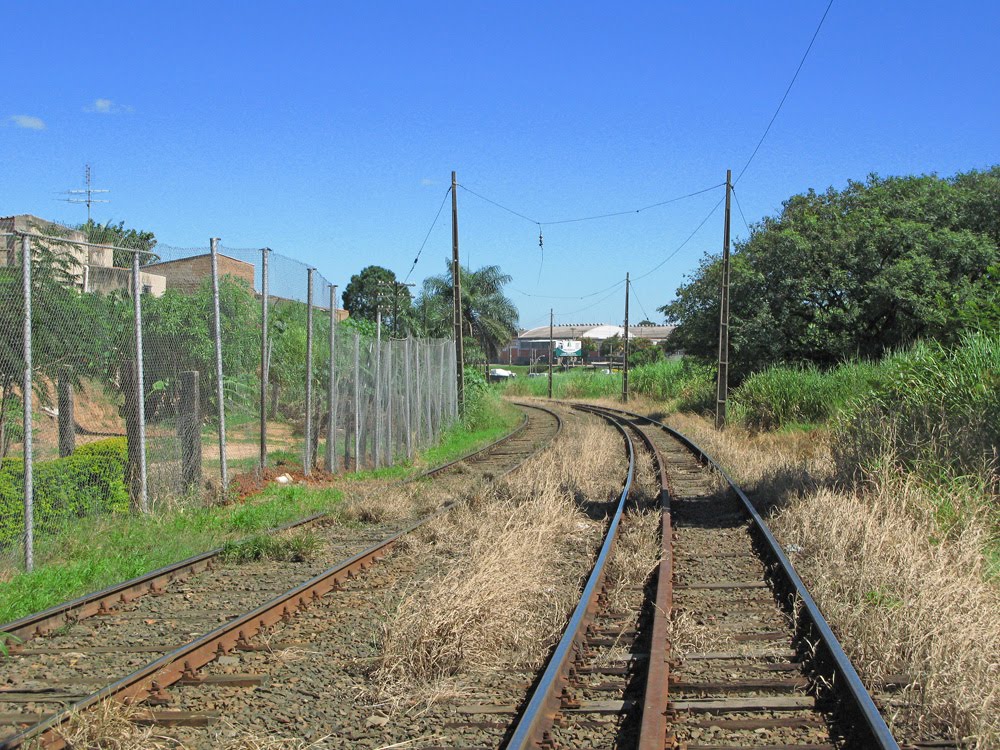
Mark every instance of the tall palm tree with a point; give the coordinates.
(488, 316)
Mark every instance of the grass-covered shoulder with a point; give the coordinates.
(98, 551)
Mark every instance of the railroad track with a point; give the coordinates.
(133, 641)
(745, 673)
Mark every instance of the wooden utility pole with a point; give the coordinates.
(456, 280)
(625, 349)
(550, 350)
(723, 389)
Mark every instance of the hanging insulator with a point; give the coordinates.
(540, 243)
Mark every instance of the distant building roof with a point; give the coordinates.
(595, 331)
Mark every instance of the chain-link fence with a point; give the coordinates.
(246, 368)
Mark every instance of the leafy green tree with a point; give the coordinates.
(119, 237)
(69, 330)
(374, 288)
(848, 273)
(489, 317)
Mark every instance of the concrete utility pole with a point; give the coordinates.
(456, 277)
(723, 389)
(550, 351)
(625, 349)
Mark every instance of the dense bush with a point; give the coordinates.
(784, 395)
(91, 480)
(689, 385)
(931, 407)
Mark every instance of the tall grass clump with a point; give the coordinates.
(783, 395)
(933, 409)
(506, 570)
(577, 383)
(685, 383)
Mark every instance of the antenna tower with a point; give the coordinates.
(77, 196)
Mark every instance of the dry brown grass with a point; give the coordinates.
(381, 502)
(110, 725)
(637, 550)
(507, 569)
(903, 594)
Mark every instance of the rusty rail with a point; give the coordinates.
(536, 720)
(847, 679)
(186, 660)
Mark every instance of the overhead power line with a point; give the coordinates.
(738, 206)
(787, 90)
(538, 223)
(427, 237)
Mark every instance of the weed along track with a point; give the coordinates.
(134, 642)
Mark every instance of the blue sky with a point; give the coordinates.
(328, 131)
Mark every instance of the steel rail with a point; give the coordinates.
(510, 436)
(165, 671)
(863, 702)
(103, 601)
(536, 719)
(653, 725)
(157, 675)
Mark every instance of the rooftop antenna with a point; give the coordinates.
(88, 192)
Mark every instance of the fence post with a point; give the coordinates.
(357, 401)
(331, 420)
(409, 401)
(220, 394)
(390, 436)
(265, 360)
(140, 386)
(189, 431)
(378, 388)
(29, 493)
(307, 459)
(67, 431)
(418, 406)
(428, 397)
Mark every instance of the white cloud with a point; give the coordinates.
(427, 182)
(27, 121)
(108, 107)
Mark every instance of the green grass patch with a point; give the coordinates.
(783, 396)
(100, 551)
(299, 547)
(683, 384)
(577, 383)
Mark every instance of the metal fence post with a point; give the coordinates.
(29, 493)
(357, 401)
(307, 459)
(140, 386)
(265, 360)
(409, 402)
(331, 426)
(220, 394)
(390, 437)
(378, 388)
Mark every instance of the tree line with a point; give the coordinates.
(853, 273)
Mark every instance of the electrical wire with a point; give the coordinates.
(582, 296)
(540, 224)
(787, 90)
(617, 288)
(428, 236)
(641, 306)
(680, 247)
(738, 206)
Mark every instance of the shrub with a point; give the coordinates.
(91, 480)
(783, 395)
(685, 382)
(932, 408)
